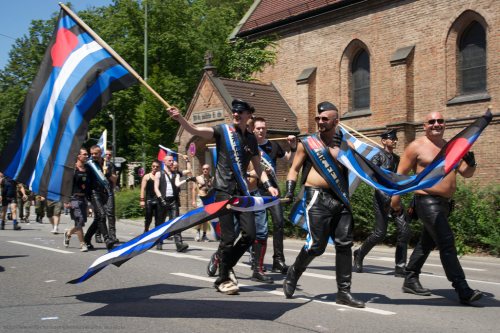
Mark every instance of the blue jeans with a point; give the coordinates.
(260, 221)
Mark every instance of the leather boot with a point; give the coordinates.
(357, 262)
(412, 285)
(109, 243)
(259, 249)
(180, 246)
(345, 298)
(399, 271)
(2, 225)
(295, 271)
(279, 266)
(343, 271)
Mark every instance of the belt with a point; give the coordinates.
(437, 197)
(319, 189)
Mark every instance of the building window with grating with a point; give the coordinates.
(472, 60)
(360, 72)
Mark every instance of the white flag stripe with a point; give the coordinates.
(68, 68)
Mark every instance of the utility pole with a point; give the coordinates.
(145, 3)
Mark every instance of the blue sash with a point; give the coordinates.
(99, 175)
(325, 165)
(267, 163)
(235, 153)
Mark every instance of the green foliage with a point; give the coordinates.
(127, 204)
(179, 33)
(476, 218)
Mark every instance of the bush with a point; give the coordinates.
(127, 204)
(475, 220)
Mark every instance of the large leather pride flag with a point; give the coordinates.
(148, 240)
(392, 183)
(76, 79)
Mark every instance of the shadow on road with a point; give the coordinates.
(448, 298)
(137, 302)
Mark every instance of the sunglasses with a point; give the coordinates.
(433, 121)
(323, 119)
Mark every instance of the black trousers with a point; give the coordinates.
(328, 217)
(381, 206)
(170, 211)
(98, 200)
(278, 231)
(230, 252)
(152, 210)
(434, 211)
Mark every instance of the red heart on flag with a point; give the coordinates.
(65, 43)
(454, 152)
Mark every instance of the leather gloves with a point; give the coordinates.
(470, 159)
(290, 189)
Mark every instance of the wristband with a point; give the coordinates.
(267, 184)
(293, 150)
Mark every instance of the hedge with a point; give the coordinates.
(475, 220)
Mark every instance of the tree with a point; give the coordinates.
(179, 34)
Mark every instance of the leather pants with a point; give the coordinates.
(110, 215)
(434, 211)
(152, 210)
(328, 217)
(171, 211)
(278, 231)
(98, 199)
(381, 206)
(230, 252)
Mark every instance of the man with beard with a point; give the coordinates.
(328, 213)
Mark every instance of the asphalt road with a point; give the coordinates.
(164, 291)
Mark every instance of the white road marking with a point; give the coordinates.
(49, 281)
(50, 318)
(39, 247)
(278, 293)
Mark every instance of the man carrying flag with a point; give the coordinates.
(433, 206)
(236, 147)
(77, 76)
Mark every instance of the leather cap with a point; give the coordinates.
(390, 134)
(239, 105)
(325, 106)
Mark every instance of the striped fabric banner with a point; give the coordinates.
(76, 79)
(393, 183)
(148, 240)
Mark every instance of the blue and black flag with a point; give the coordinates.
(76, 79)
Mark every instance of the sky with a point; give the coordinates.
(16, 17)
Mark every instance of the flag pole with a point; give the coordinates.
(113, 53)
(360, 134)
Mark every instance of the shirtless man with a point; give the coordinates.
(327, 214)
(433, 208)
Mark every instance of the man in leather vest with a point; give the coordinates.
(166, 186)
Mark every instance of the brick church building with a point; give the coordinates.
(385, 64)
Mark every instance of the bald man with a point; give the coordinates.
(433, 206)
